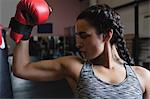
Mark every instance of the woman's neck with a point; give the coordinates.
(109, 58)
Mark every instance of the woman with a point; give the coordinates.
(103, 72)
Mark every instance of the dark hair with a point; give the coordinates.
(104, 18)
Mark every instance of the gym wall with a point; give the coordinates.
(127, 16)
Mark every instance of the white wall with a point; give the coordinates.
(0, 11)
(114, 3)
(127, 19)
(144, 23)
(93, 2)
(127, 16)
(7, 8)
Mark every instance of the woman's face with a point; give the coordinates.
(87, 41)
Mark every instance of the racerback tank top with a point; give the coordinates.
(91, 87)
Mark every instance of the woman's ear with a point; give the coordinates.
(107, 37)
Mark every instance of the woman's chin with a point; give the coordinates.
(90, 58)
(93, 57)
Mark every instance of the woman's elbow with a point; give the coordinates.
(18, 72)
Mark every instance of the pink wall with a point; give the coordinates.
(64, 14)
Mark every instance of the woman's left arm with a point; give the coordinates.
(147, 84)
(144, 78)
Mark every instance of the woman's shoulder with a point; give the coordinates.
(71, 61)
(141, 70)
(143, 75)
(70, 58)
(72, 65)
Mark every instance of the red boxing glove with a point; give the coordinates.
(29, 13)
(0, 35)
(2, 43)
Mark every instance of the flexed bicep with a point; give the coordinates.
(42, 70)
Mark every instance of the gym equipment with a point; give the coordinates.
(5, 77)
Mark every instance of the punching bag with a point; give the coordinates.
(5, 77)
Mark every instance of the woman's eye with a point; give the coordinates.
(83, 35)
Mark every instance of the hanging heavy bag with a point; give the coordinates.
(5, 77)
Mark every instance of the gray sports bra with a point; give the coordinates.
(91, 87)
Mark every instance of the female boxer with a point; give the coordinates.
(103, 72)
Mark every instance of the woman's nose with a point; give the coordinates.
(79, 44)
